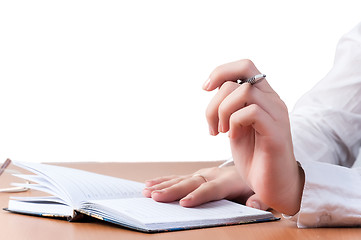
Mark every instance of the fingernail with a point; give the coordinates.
(255, 204)
(220, 127)
(206, 84)
(187, 198)
(211, 131)
(148, 183)
(149, 188)
(158, 191)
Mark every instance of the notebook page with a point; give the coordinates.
(44, 199)
(81, 185)
(42, 209)
(163, 215)
(43, 185)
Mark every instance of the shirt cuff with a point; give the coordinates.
(331, 196)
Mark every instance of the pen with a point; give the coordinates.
(252, 80)
(5, 165)
(228, 162)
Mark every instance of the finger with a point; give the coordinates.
(147, 192)
(242, 69)
(207, 192)
(212, 109)
(255, 202)
(252, 115)
(155, 181)
(177, 191)
(232, 103)
(245, 95)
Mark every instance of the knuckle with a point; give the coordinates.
(217, 72)
(254, 110)
(223, 109)
(244, 94)
(245, 89)
(211, 113)
(232, 119)
(221, 69)
(247, 62)
(210, 173)
(228, 86)
(249, 67)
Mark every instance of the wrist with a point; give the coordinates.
(296, 197)
(287, 196)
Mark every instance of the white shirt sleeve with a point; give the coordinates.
(326, 132)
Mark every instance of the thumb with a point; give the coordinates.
(254, 202)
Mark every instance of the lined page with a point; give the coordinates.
(80, 185)
(153, 214)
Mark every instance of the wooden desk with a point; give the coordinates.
(15, 226)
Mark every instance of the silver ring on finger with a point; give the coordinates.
(253, 80)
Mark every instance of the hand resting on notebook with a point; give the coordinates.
(192, 190)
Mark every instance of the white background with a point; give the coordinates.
(121, 80)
